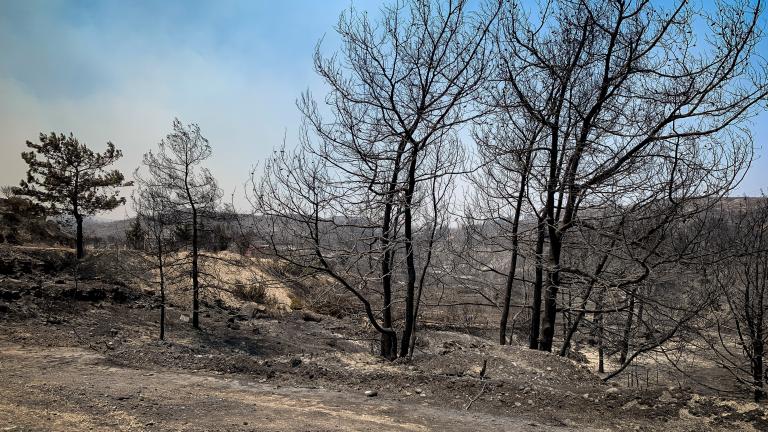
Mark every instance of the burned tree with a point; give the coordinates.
(190, 191)
(740, 277)
(400, 90)
(629, 108)
(155, 220)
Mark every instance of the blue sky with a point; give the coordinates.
(122, 70)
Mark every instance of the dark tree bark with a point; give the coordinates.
(538, 286)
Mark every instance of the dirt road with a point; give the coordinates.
(76, 389)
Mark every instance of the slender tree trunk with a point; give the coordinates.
(389, 341)
(162, 291)
(757, 366)
(515, 247)
(508, 288)
(410, 260)
(575, 325)
(79, 237)
(195, 281)
(627, 328)
(550, 301)
(599, 324)
(533, 336)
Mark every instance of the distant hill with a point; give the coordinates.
(93, 228)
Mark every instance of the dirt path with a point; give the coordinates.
(74, 389)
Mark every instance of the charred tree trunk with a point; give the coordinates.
(410, 260)
(388, 340)
(79, 247)
(533, 336)
(161, 266)
(515, 246)
(599, 331)
(550, 300)
(628, 328)
(757, 367)
(195, 273)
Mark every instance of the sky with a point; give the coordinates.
(120, 71)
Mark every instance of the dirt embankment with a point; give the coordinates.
(85, 355)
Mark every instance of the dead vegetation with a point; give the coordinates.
(265, 343)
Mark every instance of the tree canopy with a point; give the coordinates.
(68, 178)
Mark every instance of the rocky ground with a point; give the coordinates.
(85, 356)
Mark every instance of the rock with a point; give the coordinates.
(666, 396)
(295, 362)
(371, 393)
(311, 316)
(184, 318)
(474, 371)
(252, 309)
(518, 404)
(54, 320)
(120, 296)
(10, 295)
(613, 390)
(585, 395)
(417, 390)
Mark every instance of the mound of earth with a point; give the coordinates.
(23, 222)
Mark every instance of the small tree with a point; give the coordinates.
(150, 203)
(135, 235)
(68, 178)
(190, 191)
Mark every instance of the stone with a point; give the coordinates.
(184, 318)
(311, 316)
(371, 393)
(252, 309)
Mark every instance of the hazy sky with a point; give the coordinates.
(121, 70)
